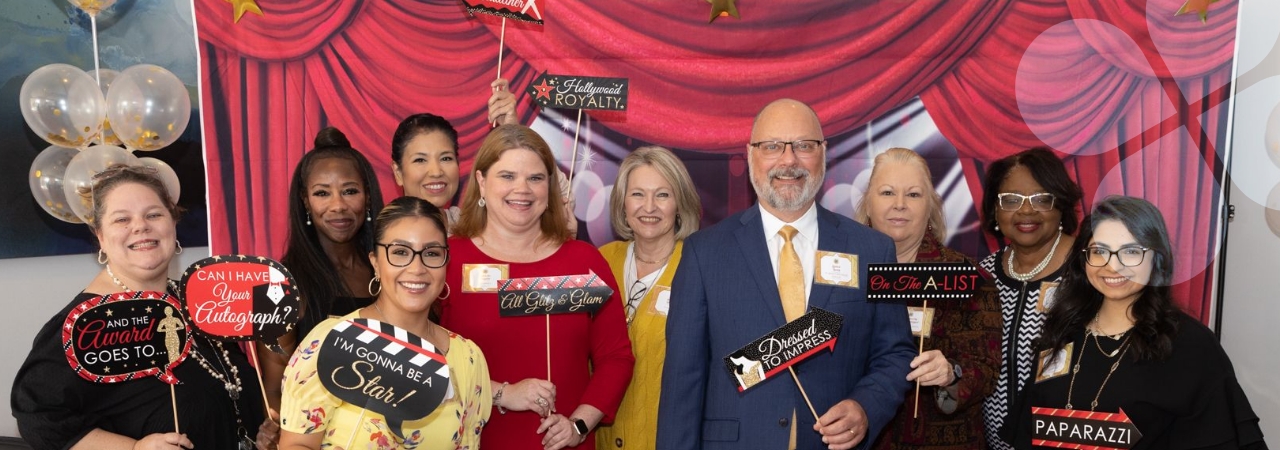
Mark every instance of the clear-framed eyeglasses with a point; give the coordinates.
(400, 255)
(802, 147)
(1128, 256)
(1012, 202)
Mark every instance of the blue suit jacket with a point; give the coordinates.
(724, 297)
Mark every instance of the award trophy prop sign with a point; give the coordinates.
(917, 283)
(783, 348)
(1086, 430)
(563, 294)
(125, 336)
(384, 368)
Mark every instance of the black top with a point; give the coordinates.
(1190, 400)
(338, 307)
(55, 408)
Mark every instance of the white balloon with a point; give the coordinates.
(45, 179)
(63, 105)
(166, 174)
(81, 170)
(148, 107)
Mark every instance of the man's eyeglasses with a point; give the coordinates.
(1128, 256)
(803, 147)
(1013, 202)
(400, 255)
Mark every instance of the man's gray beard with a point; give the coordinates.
(776, 199)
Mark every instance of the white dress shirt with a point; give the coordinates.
(805, 242)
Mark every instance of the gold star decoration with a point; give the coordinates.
(722, 8)
(108, 313)
(1199, 6)
(243, 6)
(148, 310)
(106, 370)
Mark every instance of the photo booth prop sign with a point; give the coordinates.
(913, 283)
(579, 92)
(385, 368)
(1069, 428)
(563, 294)
(522, 10)
(784, 347)
(123, 336)
(238, 297)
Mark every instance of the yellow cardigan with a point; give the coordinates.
(636, 424)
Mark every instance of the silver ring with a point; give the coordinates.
(542, 402)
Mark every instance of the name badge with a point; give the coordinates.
(482, 277)
(662, 300)
(836, 269)
(921, 321)
(1051, 365)
(1048, 294)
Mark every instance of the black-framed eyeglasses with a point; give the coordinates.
(400, 255)
(802, 147)
(1012, 202)
(637, 291)
(1128, 256)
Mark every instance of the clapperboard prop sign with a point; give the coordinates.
(241, 298)
(579, 92)
(126, 336)
(561, 294)
(914, 285)
(1087, 430)
(784, 347)
(384, 368)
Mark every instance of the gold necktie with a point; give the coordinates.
(790, 276)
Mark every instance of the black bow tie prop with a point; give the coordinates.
(914, 285)
(384, 368)
(561, 294)
(1087, 430)
(125, 336)
(784, 347)
(242, 298)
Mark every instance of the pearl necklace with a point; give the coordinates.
(172, 285)
(233, 385)
(1024, 277)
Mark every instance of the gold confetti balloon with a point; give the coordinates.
(81, 170)
(105, 77)
(45, 180)
(93, 7)
(148, 107)
(63, 105)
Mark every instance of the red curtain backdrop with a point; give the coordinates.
(1100, 82)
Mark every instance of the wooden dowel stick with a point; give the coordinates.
(502, 42)
(573, 160)
(356, 430)
(548, 316)
(802, 393)
(924, 311)
(257, 369)
(174, 397)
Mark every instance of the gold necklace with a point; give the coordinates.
(1076, 369)
(662, 260)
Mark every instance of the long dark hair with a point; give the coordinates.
(1155, 315)
(318, 281)
(406, 207)
(1049, 173)
(419, 124)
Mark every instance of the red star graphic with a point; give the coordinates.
(544, 90)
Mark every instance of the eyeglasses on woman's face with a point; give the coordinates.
(400, 255)
(1012, 202)
(1129, 256)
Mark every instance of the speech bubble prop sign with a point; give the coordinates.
(385, 368)
(912, 283)
(578, 92)
(124, 336)
(563, 294)
(784, 347)
(238, 297)
(1087, 430)
(522, 10)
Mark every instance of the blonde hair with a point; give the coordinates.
(688, 206)
(936, 222)
(473, 218)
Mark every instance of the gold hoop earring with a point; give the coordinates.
(102, 257)
(447, 291)
(375, 279)
(179, 250)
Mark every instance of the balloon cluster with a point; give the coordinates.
(145, 107)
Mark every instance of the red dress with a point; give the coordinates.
(591, 358)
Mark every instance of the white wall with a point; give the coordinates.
(35, 289)
(1251, 304)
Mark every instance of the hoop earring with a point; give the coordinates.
(371, 292)
(308, 218)
(179, 250)
(481, 202)
(102, 257)
(447, 291)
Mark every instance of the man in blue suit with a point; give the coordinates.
(726, 294)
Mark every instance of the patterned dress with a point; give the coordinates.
(1023, 315)
(306, 407)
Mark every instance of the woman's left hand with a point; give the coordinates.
(558, 433)
(269, 432)
(932, 369)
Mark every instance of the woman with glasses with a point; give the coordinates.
(654, 206)
(1029, 202)
(1116, 341)
(959, 369)
(555, 377)
(409, 258)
